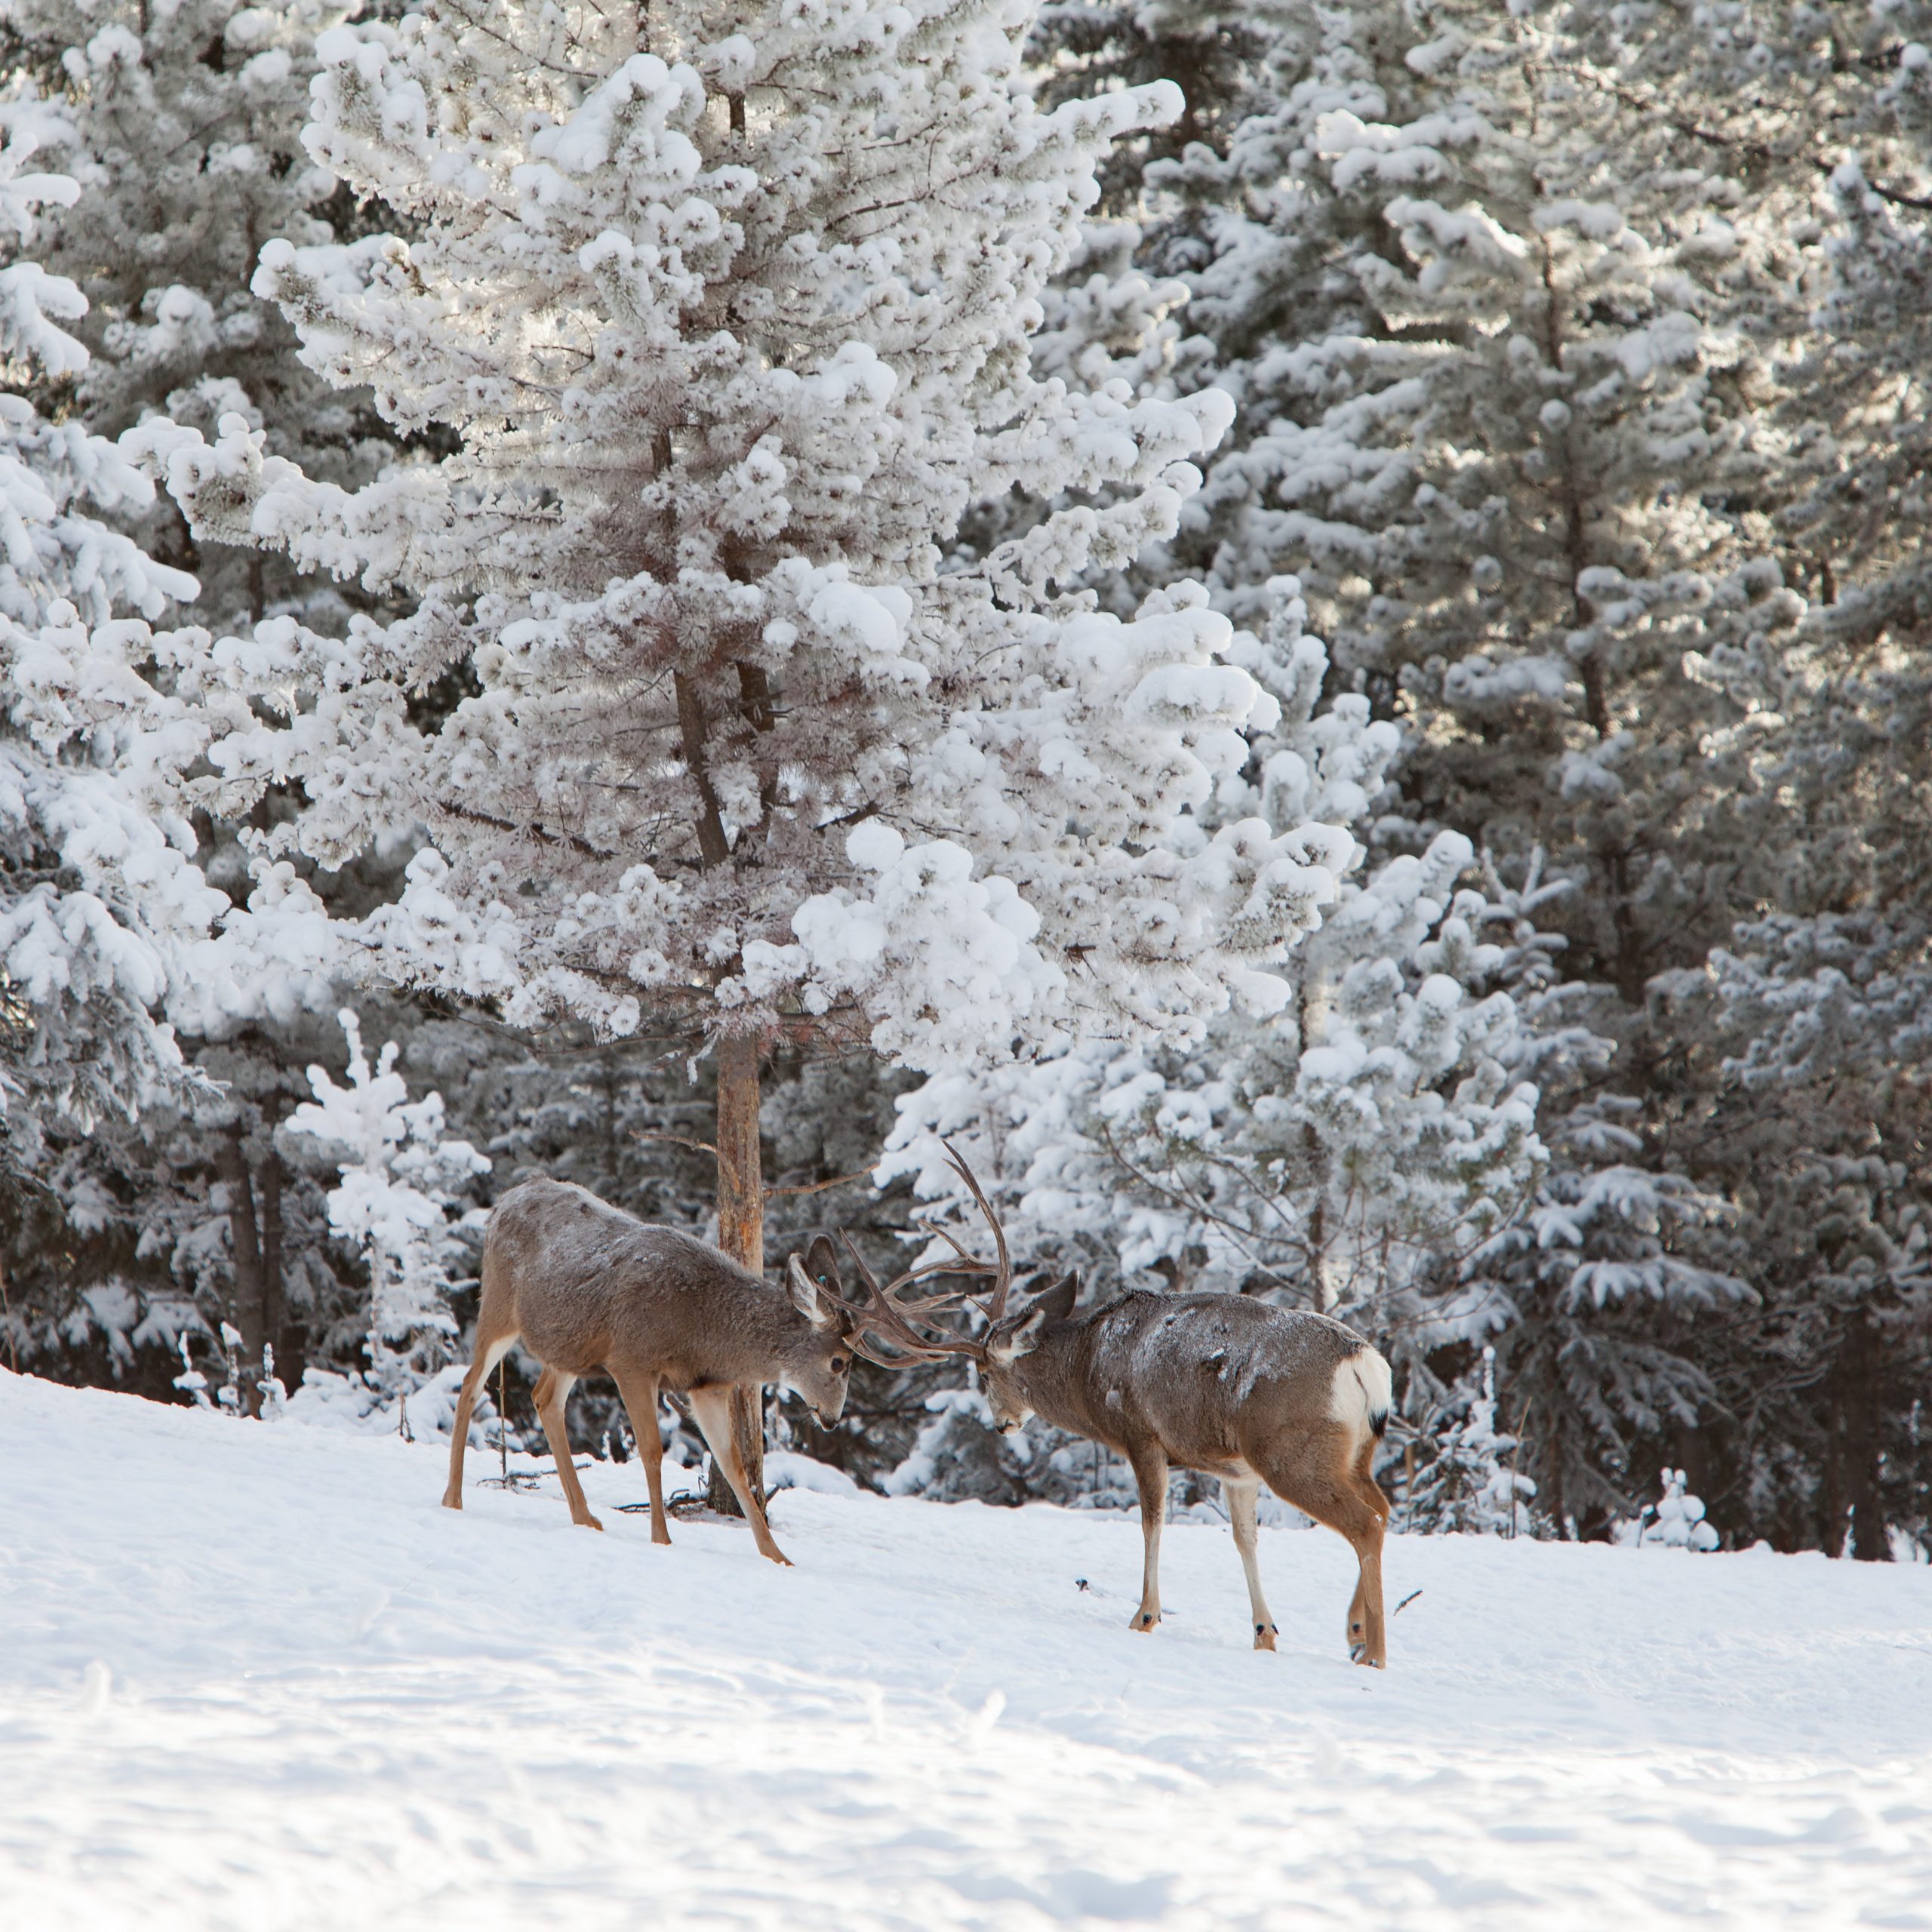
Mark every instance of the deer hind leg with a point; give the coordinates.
(1336, 1489)
(490, 1349)
(1367, 1633)
(552, 1391)
(711, 1409)
(640, 1395)
(1239, 1497)
(1150, 1473)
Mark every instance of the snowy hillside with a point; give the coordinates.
(253, 1676)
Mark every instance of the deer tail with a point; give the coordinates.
(1364, 1392)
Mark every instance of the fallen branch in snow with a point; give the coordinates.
(1404, 1603)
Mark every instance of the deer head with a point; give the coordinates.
(1008, 1340)
(817, 1364)
(1007, 1337)
(839, 1327)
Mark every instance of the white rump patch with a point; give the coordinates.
(1363, 1390)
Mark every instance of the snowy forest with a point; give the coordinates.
(1307, 629)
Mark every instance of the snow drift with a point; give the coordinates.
(252, 1675)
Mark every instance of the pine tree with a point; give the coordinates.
(1340, 1152)
(741, 751)
(1803, 1048)
(401, 1176)
(1494, 396)
(1469, 1483)
(183, 127)
(182, 124)
(1676, 1522)
(1501, 361)
(99, 895)
(1320, 1149)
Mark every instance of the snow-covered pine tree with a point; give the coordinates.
(1674, 1521)
(1500, 360)
(1496, 405)
(99, 895)
(1824, 1025)
(1469, 1482)
(182, 124)
(1804, 1050)
(401, 1176)
(183, 129)
(1341, 1152)
(1317, 1149)
(726, 311)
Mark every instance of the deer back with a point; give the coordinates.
(1217, 1382)
(595, 1287)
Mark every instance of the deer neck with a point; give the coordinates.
(1049, 1377)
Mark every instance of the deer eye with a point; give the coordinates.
(839, 1364)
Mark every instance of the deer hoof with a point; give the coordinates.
(1264, 1636)
(592, 1523)
(1359, 1653)
(453, 1500)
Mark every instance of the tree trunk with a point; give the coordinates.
(275, 1306)
(740, 1234)
(740, 1176)
(232, 1164)
(1869, 1542)
(1831, 1532)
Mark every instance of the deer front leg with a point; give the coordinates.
(640, 1395)
(1150, 1474)
(552, 1391)
(486, 1358)
(711, 1409)
(1240, 1499)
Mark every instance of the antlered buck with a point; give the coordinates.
(587, 1286)
(1217, 1383)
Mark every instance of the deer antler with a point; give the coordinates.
(994, 1307)
(887, 1317)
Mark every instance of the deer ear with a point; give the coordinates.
(805, 1297)
(1020, 1341)
(1056, 1304)
(822, 1264)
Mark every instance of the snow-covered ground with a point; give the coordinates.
(253, 1676)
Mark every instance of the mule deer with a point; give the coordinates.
(1220, 1384)
(587, 1287)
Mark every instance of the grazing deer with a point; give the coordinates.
(1222, 1385)
(587, 1287)
(1217, 1383)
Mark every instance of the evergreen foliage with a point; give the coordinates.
(710, 542)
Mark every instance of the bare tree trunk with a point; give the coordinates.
(740, 1175)
(232, 1164)
(1869, 1542)
(275, 1305)
(740, 1234)
(1831, 1531)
